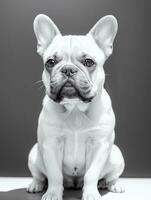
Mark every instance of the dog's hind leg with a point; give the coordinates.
(36, 168)
(114, 168)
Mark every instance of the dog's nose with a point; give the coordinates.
(69, 70)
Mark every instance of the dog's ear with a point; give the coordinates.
(45, 31)
(104, 32)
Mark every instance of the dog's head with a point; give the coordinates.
(73, 65)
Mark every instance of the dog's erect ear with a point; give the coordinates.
(104, 32)
(45, 31)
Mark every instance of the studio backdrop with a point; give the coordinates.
(128, 76)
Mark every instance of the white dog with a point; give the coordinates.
(75, 145)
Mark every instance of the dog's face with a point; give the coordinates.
(73, 65)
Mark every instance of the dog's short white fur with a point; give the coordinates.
(75, 145)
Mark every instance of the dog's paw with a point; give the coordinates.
(91, 195)
(35, 186)
(52, 195)
(116, 187)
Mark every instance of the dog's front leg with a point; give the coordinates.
(96, 156)
(53, 156)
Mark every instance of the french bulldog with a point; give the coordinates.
(75, 137)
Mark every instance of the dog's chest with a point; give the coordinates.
(74, 154)
(75, 144)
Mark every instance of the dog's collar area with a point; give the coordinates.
(71, 104)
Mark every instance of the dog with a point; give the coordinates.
(75, 137)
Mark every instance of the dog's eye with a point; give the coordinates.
(50, 63)
(88, 62)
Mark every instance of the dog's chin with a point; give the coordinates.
(68, 91)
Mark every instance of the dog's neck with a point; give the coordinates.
(71, 104)
(67, 105)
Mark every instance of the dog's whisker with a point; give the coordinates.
(41, 87)
(40, 81)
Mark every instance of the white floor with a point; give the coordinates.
(135, 188)
(7, 184)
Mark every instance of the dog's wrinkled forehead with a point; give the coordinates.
(72, 46)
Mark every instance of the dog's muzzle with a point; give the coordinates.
(70, 83)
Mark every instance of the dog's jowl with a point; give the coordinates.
(75, 138)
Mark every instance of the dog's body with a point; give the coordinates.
(76, 126)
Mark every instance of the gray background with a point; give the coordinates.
(128, 77)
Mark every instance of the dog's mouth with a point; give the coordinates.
(69, 90)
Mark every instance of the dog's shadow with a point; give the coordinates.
(21, 194)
